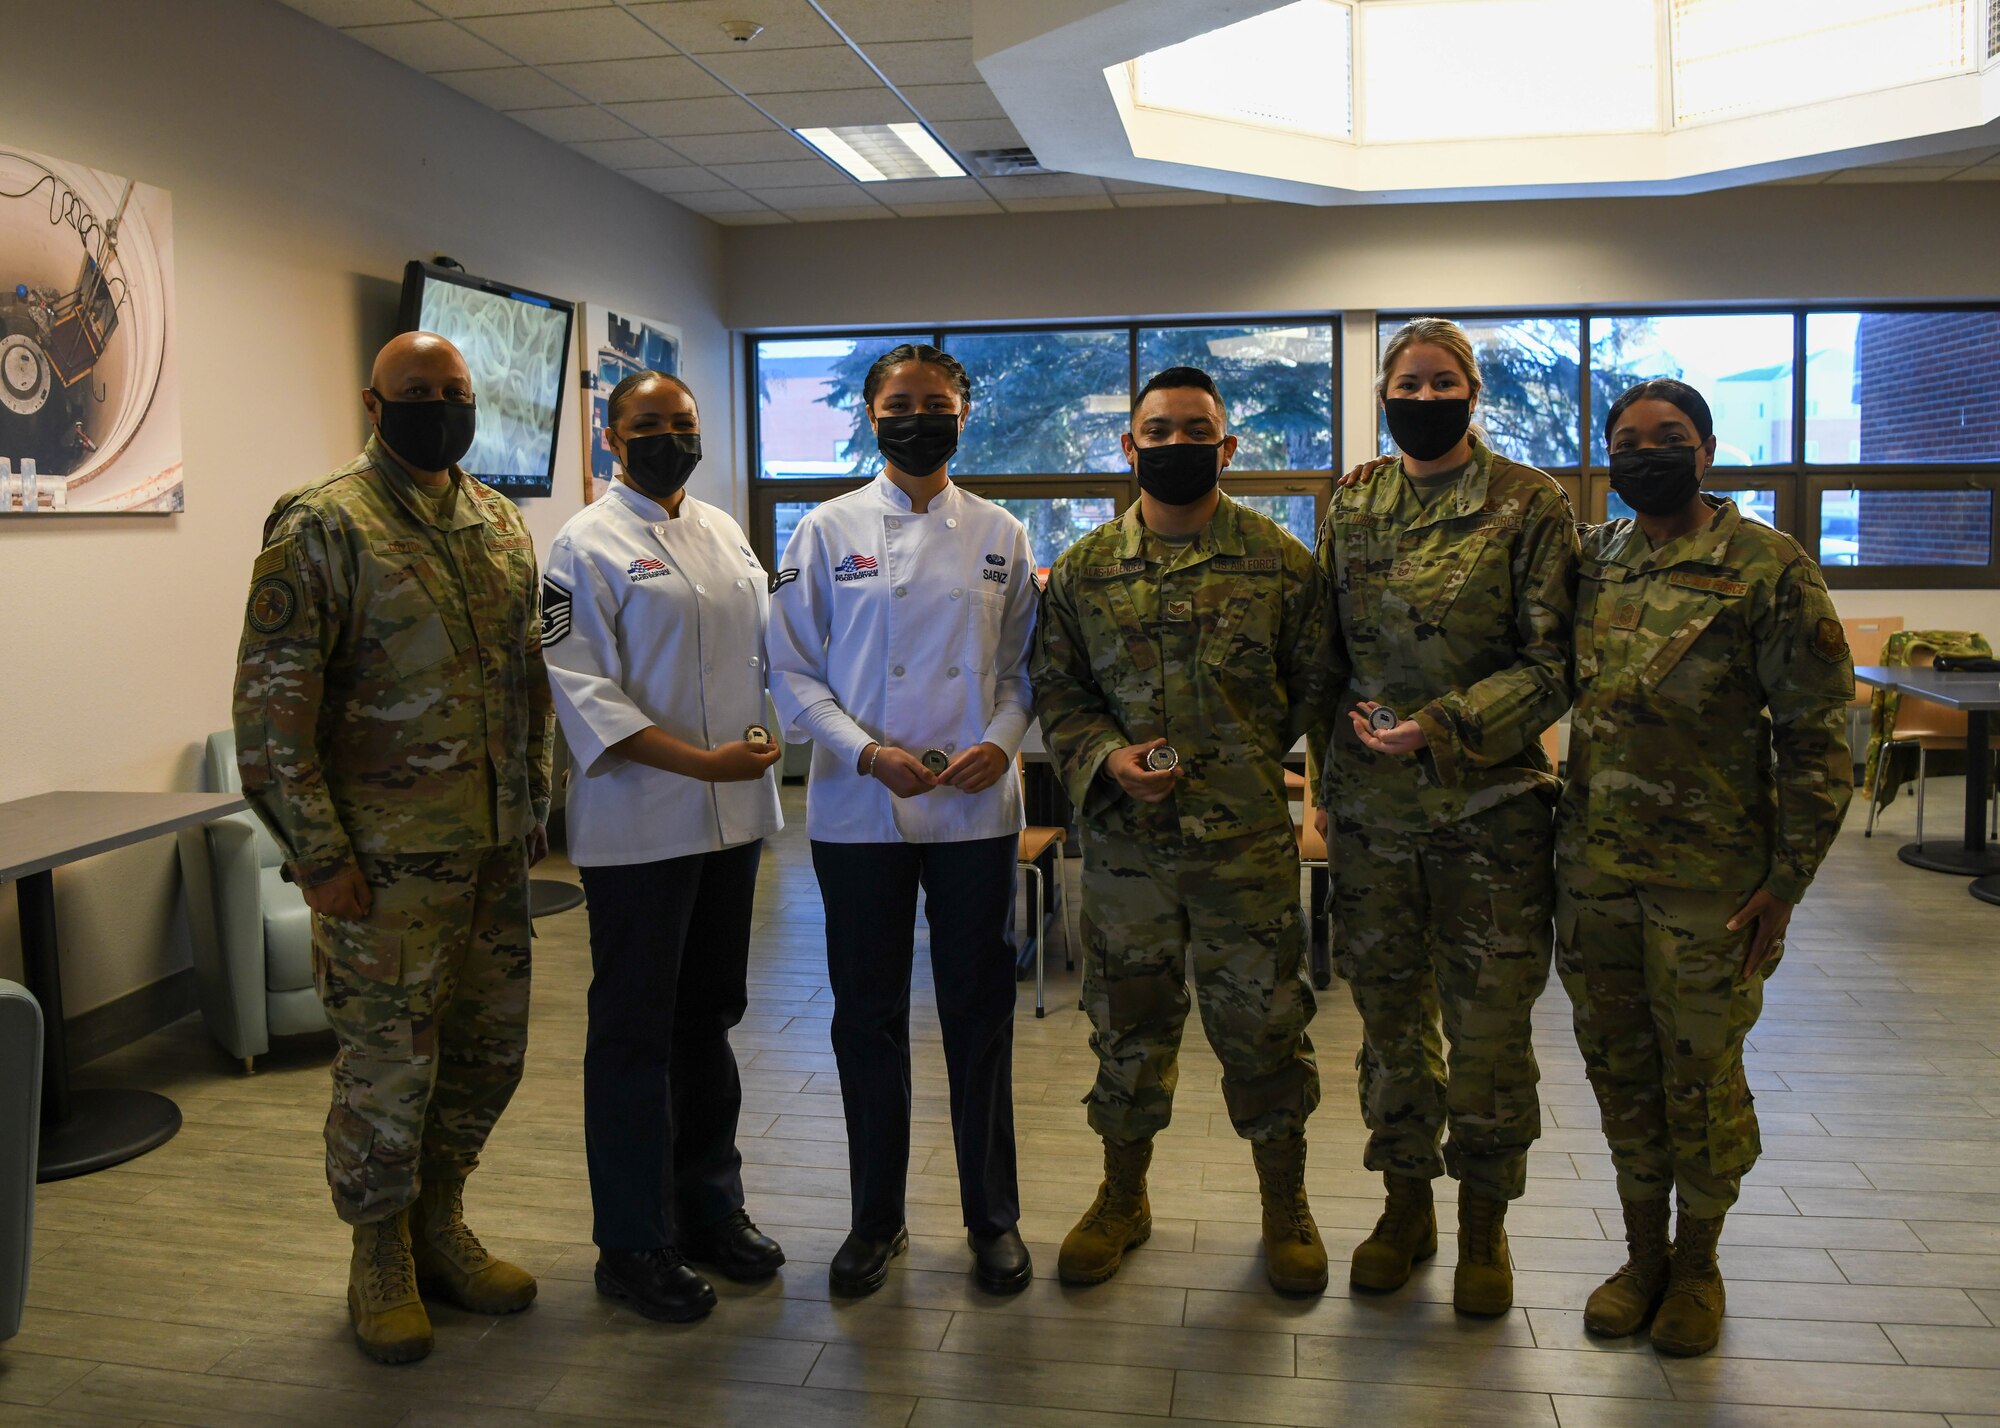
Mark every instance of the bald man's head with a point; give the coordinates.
(425, 371)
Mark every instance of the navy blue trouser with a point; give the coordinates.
(669, 951)
(870, 891)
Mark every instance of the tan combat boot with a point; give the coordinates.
(451, 1263)
(1484, 1280)
(1294, 1254)
(1690, 1317)
(1621, 1304)
(1406, 1233)
(389, 1319)
(1120, 1219)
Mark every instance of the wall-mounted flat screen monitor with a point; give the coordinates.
(517, 344)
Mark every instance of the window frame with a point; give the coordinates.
(1797, 481)
(767, 492)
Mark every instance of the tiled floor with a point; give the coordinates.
(202, 1283)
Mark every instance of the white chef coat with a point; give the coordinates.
(648, 620)
(911, 630)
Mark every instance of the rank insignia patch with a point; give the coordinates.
(555, 613)
(1830, 641)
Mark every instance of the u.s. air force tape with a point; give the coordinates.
(555, 612)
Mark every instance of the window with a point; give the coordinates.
(1741, 363)
(1905, 527)
(809, 418)
(1530, 403)
(1904, 387)
(1278, 382)
(1044, 402)
(1048, 408)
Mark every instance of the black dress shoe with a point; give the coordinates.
(1001, 1263)
(861, 1266)
(654, 1282)
(735, 1247)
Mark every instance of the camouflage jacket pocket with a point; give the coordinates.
(1688, 669)
(403, 615)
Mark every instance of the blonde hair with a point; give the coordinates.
(1433, 332)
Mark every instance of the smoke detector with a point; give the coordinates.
(741, 32)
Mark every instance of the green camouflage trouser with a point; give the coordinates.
(1229, 911)
(428, 996)
(1651, 974)
(1442, 936)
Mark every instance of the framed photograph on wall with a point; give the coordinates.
(614, 345)
(90, 419)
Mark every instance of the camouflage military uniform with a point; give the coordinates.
(1457, 615)
(393, 713)
(1217, 645)
(1708, 759)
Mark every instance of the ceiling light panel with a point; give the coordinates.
(1507, 69)
(1289, 68)
(880, 153)
(1737, 57)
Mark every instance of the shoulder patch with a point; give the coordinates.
(1714, 584)
(272, 560)
(781, 578)
(556, 608)
(274, 604)
(1829, 641)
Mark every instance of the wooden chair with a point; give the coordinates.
(1865, 638)
(1312, 857)
(1038, 843)
(1925, 726)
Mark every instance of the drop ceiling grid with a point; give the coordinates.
(655, 90)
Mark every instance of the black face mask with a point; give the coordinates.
(427, 436)
(1426, 430)
(1180, 472)
(660, 463)
(919, 442)
(1655, 480)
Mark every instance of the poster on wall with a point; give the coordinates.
(90, 417)
(615, 345)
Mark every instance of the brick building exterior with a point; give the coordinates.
(1925, 383)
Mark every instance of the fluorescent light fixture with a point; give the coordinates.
(882, 153)
(1290, 68)
(1508, 69)
(1737, 57)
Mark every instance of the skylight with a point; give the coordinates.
(882, 153)
(1290, 68)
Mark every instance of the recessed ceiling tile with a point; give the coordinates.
(573, 123)
(627, 81)
(941, 102)
(774, 147)
(925, 62)
(790, 71)
(1051, 205)
(1046, 186)
(946, 210)
(869, 20)
(838, 215)
(696, 25)
(673, 118)
(627, 153)
(461, 9)
(513, 86)
(677, 181)
(343, 13)
(831, 107)
(930, 191)
(800, 173)
(570, 36)
(431, 45)
(968, 134)
(760, 218)
(727, 201)
(1164, 198)
(838, 195)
